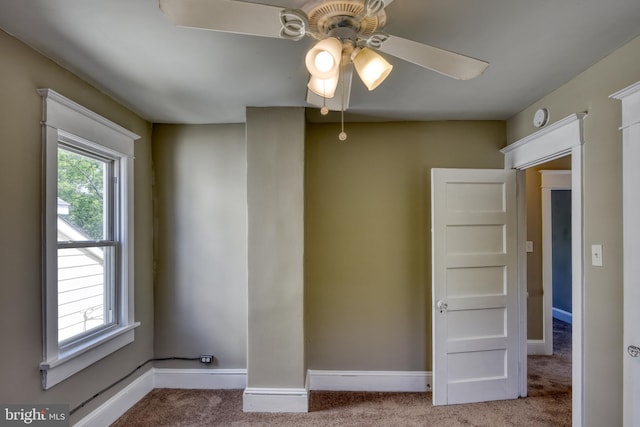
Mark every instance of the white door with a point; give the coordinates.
(475, 289)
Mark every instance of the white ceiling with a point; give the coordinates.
(130, 50)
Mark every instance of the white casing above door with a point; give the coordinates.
(474, 285)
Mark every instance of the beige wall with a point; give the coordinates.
(275, 200)
(534, 233)
(603, 346)
(201, 243)
(367, 242)
(22, 72)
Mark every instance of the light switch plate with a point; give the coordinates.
(529, 246)
(596, 255)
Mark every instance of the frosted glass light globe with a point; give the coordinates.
(373, 71)
(323, 61)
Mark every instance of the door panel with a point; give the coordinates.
(475, 322)
(475, 280)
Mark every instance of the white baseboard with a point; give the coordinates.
(536, 347)
(255, 399)
(120, 403)
(565, 316)
(275, 400)
(213, 379)
(383, 381)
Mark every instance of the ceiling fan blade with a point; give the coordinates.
(225, 15)
(441, 61)
(372, 7)
(335, 103)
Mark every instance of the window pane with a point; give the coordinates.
(83, 196)
(84, 290)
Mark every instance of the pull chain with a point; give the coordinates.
(324, 110)
(343, 135)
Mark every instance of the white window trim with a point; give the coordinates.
(63, 118)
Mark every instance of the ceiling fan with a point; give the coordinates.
(349, 32)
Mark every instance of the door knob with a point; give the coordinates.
(633, 350)
(442, 306)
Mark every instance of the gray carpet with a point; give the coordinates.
(548, 404)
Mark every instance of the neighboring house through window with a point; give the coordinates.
(85, 297)
(88, 238)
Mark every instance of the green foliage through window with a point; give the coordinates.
(81, 184)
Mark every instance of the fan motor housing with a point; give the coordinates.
(328, 17)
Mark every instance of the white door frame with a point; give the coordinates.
(551, 180)
(630, 98)
(557, 140)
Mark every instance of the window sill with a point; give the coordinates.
(68, 362)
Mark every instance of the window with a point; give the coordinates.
(88, 238)
(87, 241)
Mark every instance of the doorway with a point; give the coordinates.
(561, 255)
(543, 183)
(552, 142)
(549, 280)
(553, 219)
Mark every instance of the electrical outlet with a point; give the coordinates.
(206, 358)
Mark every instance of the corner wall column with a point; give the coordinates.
(275, 199)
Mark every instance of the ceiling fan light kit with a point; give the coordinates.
(323, 59)
(352, 24)
(325, 88)
(348, 33)
(372, 68)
